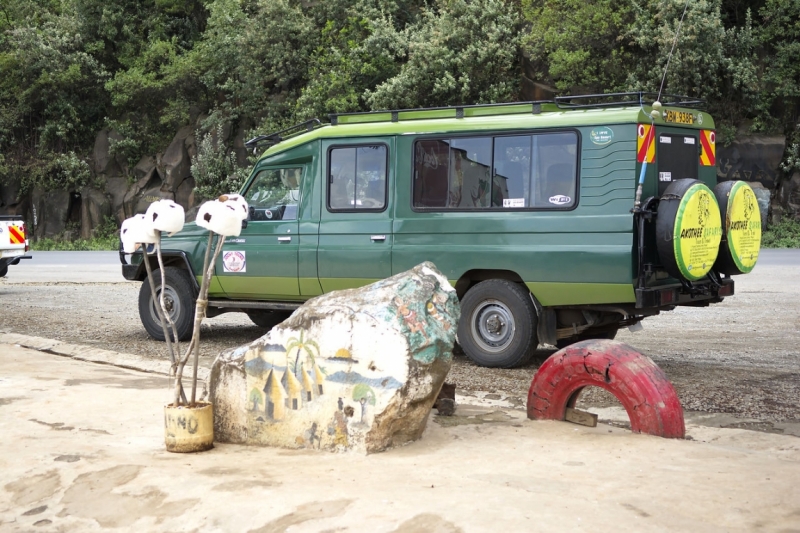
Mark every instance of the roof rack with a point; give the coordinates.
(589, 101)
(278, 136)
(461, 111)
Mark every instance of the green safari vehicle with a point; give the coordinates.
(554, 221)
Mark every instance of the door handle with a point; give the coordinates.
(284, 239)
(376, 238)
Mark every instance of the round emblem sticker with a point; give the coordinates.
(602, 135)
(234, 262)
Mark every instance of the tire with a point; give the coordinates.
(267, 319)
(498, 321)
(180, 297)
(634, 379)
(3, 270)
(606, 335)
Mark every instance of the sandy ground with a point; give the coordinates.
(82, 450)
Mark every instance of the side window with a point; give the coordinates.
(274, 194)
(512, 168)
(522, 171)
(555, 157)
(357, 178)
(470, 173)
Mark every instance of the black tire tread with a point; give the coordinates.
(180, 280)
(518, 299)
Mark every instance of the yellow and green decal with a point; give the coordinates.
(697, 232)
(744, 227)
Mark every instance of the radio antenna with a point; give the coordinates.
(674, 43)
(656, 112)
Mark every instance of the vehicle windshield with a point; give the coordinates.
(274, 194)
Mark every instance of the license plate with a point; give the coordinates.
(679, 117)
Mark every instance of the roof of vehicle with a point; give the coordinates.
(490, 118)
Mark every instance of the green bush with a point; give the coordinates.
(214, 168)
(78, 245)
(785, 234)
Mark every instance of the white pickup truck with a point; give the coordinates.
(13, 242)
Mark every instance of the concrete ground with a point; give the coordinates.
(81, 449)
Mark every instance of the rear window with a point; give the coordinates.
(503, 172)
(678, 158)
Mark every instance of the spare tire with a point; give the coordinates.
(688, 229)
(741, 220)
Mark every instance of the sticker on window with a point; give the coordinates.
(559, 199)
(688, 140)
(234, 262)
(513, 202)
(665, 140)
(665, 176)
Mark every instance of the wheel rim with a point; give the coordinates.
(493, 326)
(171, 301)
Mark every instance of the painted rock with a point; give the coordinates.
(353, 370)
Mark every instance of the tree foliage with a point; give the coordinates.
(459, 52)
(581, 47)
(144, 68)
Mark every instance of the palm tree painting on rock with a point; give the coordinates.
(301, 345)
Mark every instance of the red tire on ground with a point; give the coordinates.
(634, 379)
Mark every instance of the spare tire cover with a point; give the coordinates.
(688, 229)
(741, 220)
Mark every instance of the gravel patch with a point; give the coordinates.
(738, 357)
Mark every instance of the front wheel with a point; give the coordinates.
(498, 324)
(179, 298)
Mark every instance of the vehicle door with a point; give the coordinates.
(262, 262)
(355, 231)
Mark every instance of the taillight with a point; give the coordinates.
(25, 236)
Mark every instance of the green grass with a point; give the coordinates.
(78, 245)
(786, 234)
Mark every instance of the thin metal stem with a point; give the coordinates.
(160, 309)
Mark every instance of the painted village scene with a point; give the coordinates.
(320, 379)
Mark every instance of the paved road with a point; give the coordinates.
(68, 267)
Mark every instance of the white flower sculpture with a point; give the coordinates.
(136, 231)
(165, 216)
(222, 217)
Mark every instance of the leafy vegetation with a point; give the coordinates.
(215, 171)
(105, 237)
(785, 234)
(145, 68)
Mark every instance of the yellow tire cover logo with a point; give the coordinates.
(698, 232)
(744, 227)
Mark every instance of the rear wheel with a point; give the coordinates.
(179, 298)
(267, 319)
(498, 324)
(3, 270)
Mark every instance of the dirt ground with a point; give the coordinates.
(736, 358)
(83, 450)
